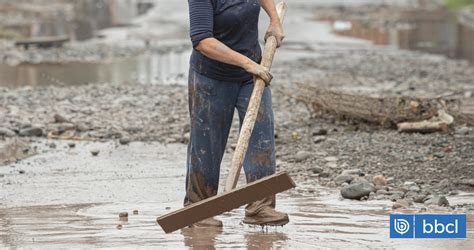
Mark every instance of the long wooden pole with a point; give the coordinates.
(252, 110)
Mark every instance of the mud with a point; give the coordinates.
(146, 177)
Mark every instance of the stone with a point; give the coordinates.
(402, 204)
(396, 196)
(462, 131)
(319, 139)
(331, 159)
(7, 132)
(71, 144)
(468, 182)
(439, 155)
(302, 156)
(124, 140)
(324, 174)
(381, 192)
(331, 165)
(415, 188)
(60, 119)
(441, 201)
(123, 215)
(135, 212)
(52, 145)
(343, 179)
(21, 171)
(95, 152)
(119, 227)
(411, 194)
(379, 180)
(421, 198)
(357, 172)
(319, 132)
(409, 183)
(33, 131)
(356, 191)
(317, 170)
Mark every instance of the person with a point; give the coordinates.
(223, 64)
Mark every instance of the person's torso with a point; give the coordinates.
(235, 25)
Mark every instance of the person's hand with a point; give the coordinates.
(275, 29)
(259, 71)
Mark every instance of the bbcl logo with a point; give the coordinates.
(428, 226)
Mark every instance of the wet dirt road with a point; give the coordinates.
(69, 198)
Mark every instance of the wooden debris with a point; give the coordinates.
(438, 123)
(383, 110)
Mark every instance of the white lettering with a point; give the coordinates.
(424, 227)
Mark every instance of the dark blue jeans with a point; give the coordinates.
(211, 106)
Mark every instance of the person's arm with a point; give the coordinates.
(275, 29)
(201, 26)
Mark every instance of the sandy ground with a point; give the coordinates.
(65, 197)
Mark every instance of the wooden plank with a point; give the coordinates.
(225, 202)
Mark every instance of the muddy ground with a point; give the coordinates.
(139, 131)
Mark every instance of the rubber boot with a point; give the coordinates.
(263, 213)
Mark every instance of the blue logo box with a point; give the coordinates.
(445, 226)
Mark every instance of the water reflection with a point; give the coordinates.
(151, 68)
(201, 238)
(265, 240)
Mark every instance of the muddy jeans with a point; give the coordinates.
(211, 107)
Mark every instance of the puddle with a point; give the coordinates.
(152, 68)
(68, 198)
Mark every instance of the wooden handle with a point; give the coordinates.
(252, 110)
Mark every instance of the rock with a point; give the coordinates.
(318, 139)
(33, 131)
(52, 145)
(167, 208)
(124, 140)
(119, 227)
(123, 215)
(331, 165)
(1, 175)
(343, 179)
(381, 192)
(411, 194)
(439, 201)
(135, 212)
(462, 131)
(324, 174)
(331, 159)
(396, 196)
(390, 180)
(409, 183)
(439, 155)
(415, 188)
(7, 132)
(358, 190)
(302, 156)
(60, 119)
(468, 182)
(71, 144)
(95, 152)
(319, 131)
(21, 171)
(317, 170)
(402, 204)
(357, 172)
(421, 198)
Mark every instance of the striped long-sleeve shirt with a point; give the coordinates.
(234, 23)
